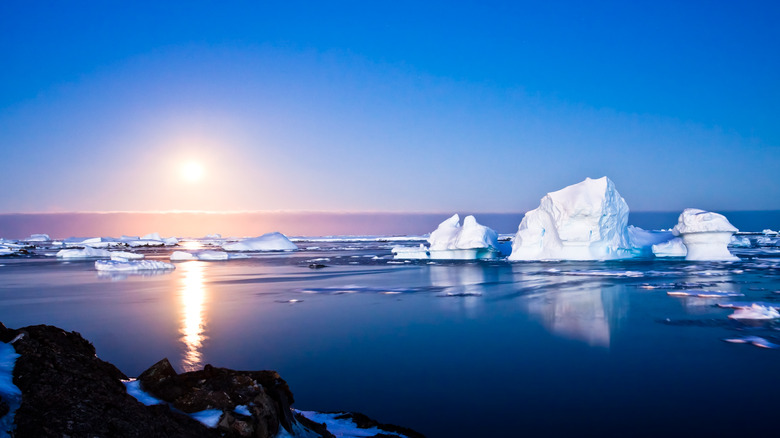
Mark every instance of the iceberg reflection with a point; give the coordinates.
(192, 294)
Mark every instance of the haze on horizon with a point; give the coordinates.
(386, 106)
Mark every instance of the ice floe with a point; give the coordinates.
(86, 253)
(451, 241)
(753, 340)
(704, 293)
(706, 235)
(755, 312)
(132, 266)
(125, 255)
(740, 242)
(267, 242)
(584, 221)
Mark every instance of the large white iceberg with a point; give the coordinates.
(706, 235)
(584, 221)
(451, 241)
(267, 242)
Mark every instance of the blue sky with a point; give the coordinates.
(387, 106)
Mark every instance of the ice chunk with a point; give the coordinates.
(451, 241)
(769, 232)
(584, 221)
(182, 256)
(756, 311)
(38, 238)
(754, 340)
(152, 236)
(125, 255)
(209, 417)
(267, 242)
(706, 235)
(740, 242)
(86, 253)
(212, 255)
(672, 248)
(411, 252)
(98, 242)
(132, 266)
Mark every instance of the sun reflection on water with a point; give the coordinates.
(193, 322)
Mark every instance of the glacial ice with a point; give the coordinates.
(132, 266)
(584, 221)
(706, 235)
(671, 248)
(451, 241)
(755, 312)
(87, 253)
(267, 242)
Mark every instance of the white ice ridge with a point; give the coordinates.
(671, 248)
(451, 241)
(132, 266)
(706, 235)
(87, 253)
(756, 311)
(584, 221)
(267, 242)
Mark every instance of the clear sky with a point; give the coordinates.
(386, 106)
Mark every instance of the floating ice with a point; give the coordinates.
(704, 293)
(97, 242)
(746, 305)
(132, 266)
(740, 242)
(212, 255)
(86, 253)
(451, 241)
(706, 235)
(754, 340)
(769, 232)
(9, 393)
(584, 221)
(673, 248)
(178, 256)
(756, 311)
(38, 238)
(125, 255)
(267, 242)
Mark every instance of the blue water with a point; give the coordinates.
(488, 349)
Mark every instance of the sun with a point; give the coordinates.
(192, 171)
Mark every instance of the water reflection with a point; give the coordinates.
(463, 285)
(575, 308)
(192, 294)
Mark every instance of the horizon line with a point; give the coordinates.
(233, 212)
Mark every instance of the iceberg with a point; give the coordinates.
(706, 235)
(755, 312)
(132, 266)
(267, 242)
(451, 241)
(584, 221)
(86, 253)
(672, 248)
(38, 238)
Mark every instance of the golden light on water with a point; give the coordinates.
(193, 318)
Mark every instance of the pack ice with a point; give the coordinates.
(584, 221)
(451, 241)
(706, 235)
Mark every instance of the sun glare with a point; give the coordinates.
(192, 171)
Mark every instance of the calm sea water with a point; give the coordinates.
(488, 349)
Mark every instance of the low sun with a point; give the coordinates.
(191, 171)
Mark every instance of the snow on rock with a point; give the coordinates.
(132, 266)
(267, 242)
(86, 253)
(451, 241)
(672, 248)
(706, 235)
(10, 394)
(125, 255)
(38, 238)
(756, 311)
(584, 221)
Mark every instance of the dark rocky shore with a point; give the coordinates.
(67, 391)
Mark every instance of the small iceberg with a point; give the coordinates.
(706, 235)
(267, 242)
(132, 266)
(755, 312)
(584, 221)
(451, 241)
(38, 238)
(86, 253)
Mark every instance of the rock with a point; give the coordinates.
(68, 391)
(265, 392)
